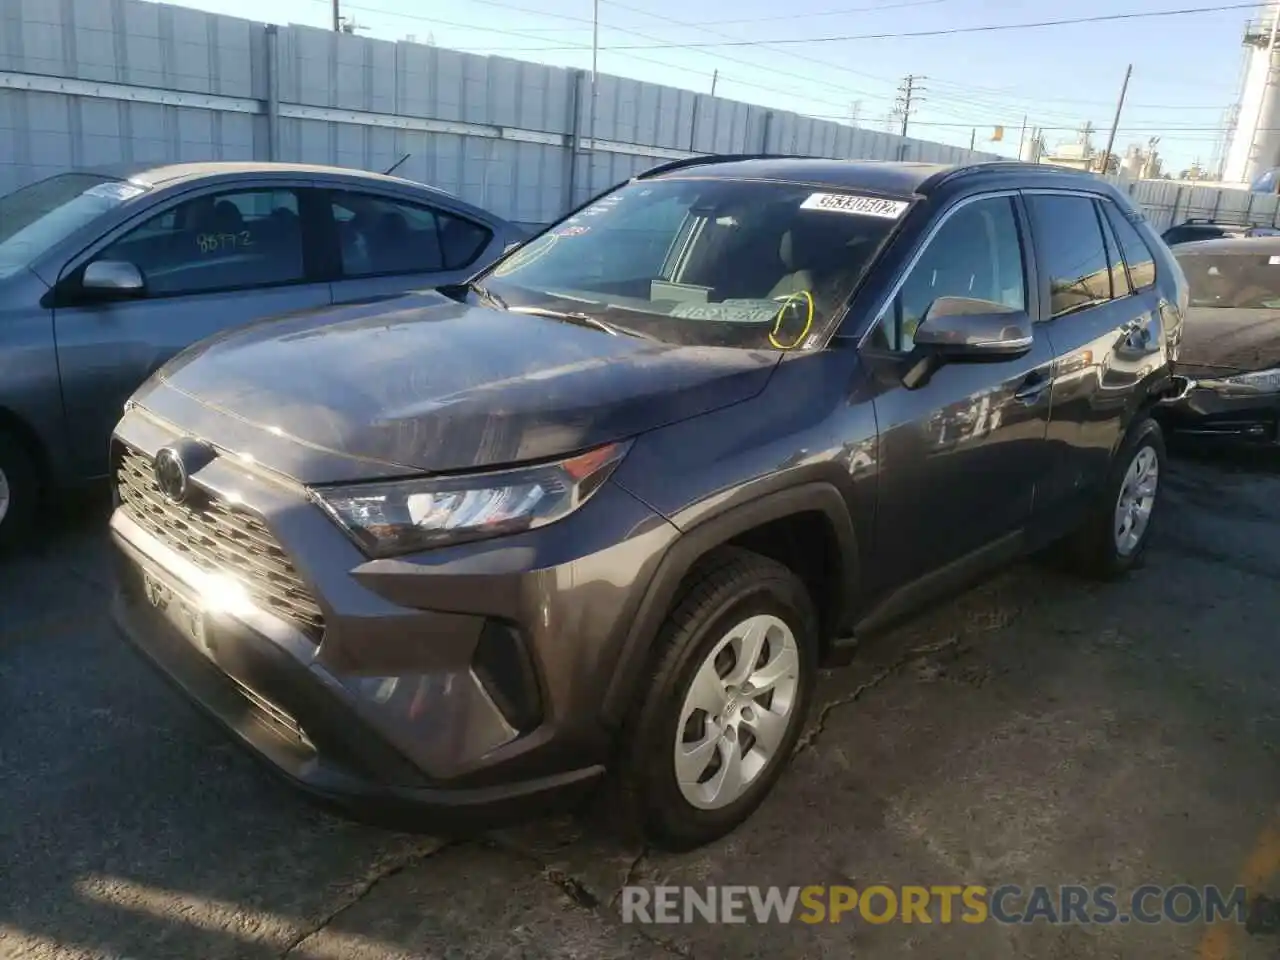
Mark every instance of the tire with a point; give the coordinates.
(730, 591)
(1096, 550)
(19, 493)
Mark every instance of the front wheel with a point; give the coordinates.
(1115, 535)
(726, 702)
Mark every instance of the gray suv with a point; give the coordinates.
(600, 514)
(106, 274)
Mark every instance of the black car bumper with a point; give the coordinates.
(1213, 412)
(304, 728)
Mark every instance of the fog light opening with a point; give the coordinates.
(504, 667)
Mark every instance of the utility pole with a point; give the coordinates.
(908, 96)
(1022, 137)
(715, 75)
(973, 137)
(1115, 124)
(337, 17)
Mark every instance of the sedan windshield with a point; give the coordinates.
(1239, 280)
(35, 217)
(704, 262)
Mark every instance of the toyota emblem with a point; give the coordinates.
(171, 475)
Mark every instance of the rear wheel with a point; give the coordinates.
(1115, 535)
(726, 701)
(19, 492)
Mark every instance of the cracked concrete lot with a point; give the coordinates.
(1034, 730)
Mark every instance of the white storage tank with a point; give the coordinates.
(1255, 143)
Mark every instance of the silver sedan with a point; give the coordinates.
(106, 274)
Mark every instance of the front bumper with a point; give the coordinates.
(305, 727)
(393, 712)
(1212, 411)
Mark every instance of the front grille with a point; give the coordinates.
(220, 539)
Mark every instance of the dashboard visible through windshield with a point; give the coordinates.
(711, 262)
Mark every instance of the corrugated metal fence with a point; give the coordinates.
(1166, 202)
(86, 82)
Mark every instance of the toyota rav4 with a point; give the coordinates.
(602, 513)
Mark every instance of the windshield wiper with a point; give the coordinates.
(487, 296)
(581, 319)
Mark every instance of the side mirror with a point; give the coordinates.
(964, 329)
(111, 279)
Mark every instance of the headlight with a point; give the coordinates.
(403, 516)
(1261, 381)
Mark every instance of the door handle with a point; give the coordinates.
(1032, 389)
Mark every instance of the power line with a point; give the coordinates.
(942, 31)
(824, 13)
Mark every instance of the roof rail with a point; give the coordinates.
(707, 158)
(996, 166)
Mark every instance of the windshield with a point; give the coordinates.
(1242, 280)
(35, 217)
(705, 262)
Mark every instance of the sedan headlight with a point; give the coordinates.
(1260, 381)
(403, 516)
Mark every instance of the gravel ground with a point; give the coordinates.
(1034, 730)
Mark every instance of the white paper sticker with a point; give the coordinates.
(1274, 260)
(115, 190)
(858, 206)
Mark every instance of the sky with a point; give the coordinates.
(1186, 68)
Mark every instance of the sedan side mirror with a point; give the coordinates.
(112, 279)
(966, 329)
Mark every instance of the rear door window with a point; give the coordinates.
(1139, 259)
(380, 236)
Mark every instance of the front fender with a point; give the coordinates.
(695, 542)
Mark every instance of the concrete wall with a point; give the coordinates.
(86, 82)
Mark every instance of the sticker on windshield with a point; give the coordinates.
(115, 190)
(856, 205)
(1274, 260)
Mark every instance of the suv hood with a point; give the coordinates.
(425, 384)
(1222, 341)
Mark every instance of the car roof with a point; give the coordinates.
(167, 173)
(900, 177)
(1242, 245)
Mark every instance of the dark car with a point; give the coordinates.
(1230, 353)
(1196, 229)
(105, 274)
(608, 509)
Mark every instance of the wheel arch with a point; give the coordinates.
(772, 526)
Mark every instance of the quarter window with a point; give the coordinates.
(380, 235)
(1137, 255)
(1072, 251)
(976, 253)
(225, 241)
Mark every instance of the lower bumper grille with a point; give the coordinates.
(220, 539)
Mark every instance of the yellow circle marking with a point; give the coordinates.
(787, 301)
